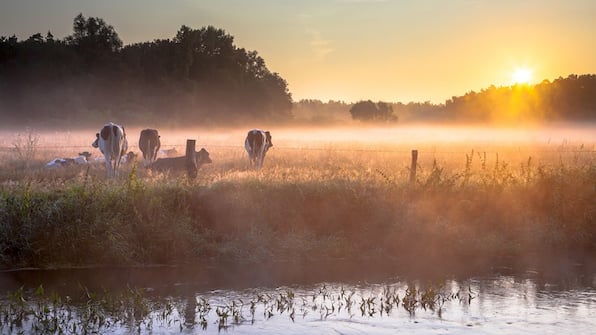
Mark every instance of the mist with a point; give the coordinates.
(402, 137)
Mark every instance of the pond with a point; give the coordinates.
(300, 298)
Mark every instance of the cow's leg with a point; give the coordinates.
(261, 155)
(147, 153)
(108, 165)
(251, 159)
(116, 165)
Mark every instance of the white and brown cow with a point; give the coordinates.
(179, 163)
(257, 144)
(111, 141)
(149, 143)
(82, 158)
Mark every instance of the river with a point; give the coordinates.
(300, 298)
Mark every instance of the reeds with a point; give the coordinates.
(49, 313)
(37, 311)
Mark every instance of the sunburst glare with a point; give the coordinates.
(521, 75)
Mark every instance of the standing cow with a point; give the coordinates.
(257, 144)
(111, 141)
(149, 144)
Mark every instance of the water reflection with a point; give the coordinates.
(296, 301)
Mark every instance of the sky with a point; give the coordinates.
(352, 50)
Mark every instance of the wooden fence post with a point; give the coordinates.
(413, 166)
(191, 163)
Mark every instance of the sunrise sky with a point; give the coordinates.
(349, 50)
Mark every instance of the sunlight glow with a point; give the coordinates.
(521, 75)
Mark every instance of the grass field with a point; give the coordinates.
(481, 196)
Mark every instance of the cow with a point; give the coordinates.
(85, 154)
(179, 163)
(111, 141)
(149, 144)
(129, 158)
(82, 158)
(163, 153)
(257, 144)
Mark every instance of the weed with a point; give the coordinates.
(25, 146)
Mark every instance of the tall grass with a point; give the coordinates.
(306, 204)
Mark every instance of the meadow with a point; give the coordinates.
(481, 197)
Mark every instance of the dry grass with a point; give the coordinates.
(472, 202)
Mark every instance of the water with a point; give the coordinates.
(306, 298)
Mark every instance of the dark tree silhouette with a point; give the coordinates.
(368, 111)
(94, 35)
(197, 76)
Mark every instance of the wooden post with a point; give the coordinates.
(413, 166)
(191, 163)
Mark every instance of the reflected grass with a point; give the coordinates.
(38, 311)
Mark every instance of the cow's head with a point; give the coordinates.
(131, 156)
(95, 144)
(202, 157)
(268, 141)
(87, 154)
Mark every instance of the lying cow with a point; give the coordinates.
(111, 141)
(128, 158)
(82, 158)
(149, 144)
(163, 153)
(257, 144)
(179, 163)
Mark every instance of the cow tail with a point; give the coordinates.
(155, 145)
(145, 150)
(262, 149)
(151, 153)
(253, 148)
(116, 146)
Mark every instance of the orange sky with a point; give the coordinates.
(388, 50)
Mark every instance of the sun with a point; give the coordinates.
(521, 75)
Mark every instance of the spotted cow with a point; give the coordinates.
(257, 144)
(111, 141)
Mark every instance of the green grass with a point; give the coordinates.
(323, 204)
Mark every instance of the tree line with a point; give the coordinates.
(200, 76)
(570, 99)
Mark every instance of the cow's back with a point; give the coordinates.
(149, 143)
(254, 141)
(112, 142)
(257, 144)
(169, 164)
(179, 163)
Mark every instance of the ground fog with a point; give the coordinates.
(480, 195)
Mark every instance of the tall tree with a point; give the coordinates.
(94, 34)
(95, 41)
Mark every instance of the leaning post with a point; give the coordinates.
(413, 166)
(191, 163)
